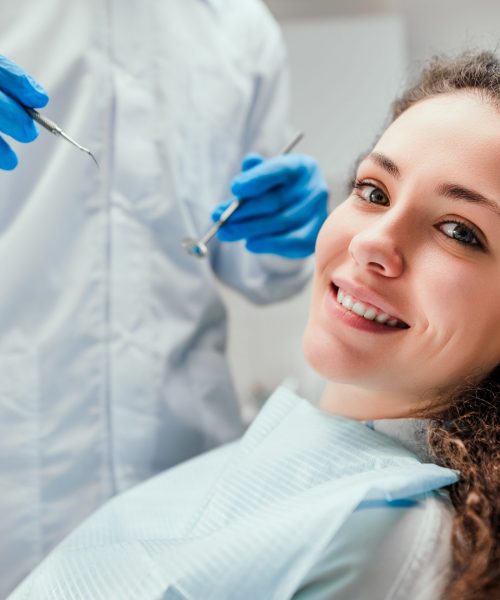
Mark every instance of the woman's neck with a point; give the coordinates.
(354, 402)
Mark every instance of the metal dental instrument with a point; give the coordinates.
(199, 248)
(56, 130)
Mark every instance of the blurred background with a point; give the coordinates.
(348, 60)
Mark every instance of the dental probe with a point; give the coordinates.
(199, 248)
(56, 130)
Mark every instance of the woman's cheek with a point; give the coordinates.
(332, 237)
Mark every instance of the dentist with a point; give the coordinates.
(112, 338)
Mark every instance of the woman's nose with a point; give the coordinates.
(377, 249)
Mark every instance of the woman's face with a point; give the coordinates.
(418, 240)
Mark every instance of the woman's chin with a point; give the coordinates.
(336, 362)
(325, 357)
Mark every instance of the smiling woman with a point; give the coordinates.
(352, 500)
(414, 253)
(407, 249)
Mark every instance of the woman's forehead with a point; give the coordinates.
(453, 131)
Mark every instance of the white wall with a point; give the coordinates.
(306, 9)
(449, 26)
(345, 72)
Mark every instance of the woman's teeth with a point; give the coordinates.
(367, 312)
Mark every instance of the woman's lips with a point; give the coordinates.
(365, 296)
(354, 320)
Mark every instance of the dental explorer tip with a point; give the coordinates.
(92, 157)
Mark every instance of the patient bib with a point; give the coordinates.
(269, 506)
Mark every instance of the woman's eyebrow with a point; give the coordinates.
(458, 192)
(386, 163)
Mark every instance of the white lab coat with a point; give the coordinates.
(112, 338)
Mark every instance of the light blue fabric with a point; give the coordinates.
(112, 338)
(254, 523)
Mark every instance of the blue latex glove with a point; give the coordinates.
(285, 204)
(17, 87)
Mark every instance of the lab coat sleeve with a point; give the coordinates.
(387, 551)
(264, 278)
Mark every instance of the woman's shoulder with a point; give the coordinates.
(387, 551)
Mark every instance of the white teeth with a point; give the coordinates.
(370, 314)
(359, 308)
(348, 302)
(362, 310)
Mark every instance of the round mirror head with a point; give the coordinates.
(194, 247)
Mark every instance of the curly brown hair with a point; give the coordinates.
(464, 431)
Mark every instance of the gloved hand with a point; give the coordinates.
(17, 87)
(285, 204)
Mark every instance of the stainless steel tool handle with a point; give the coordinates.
(43, 121)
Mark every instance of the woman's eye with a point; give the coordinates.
(461, 233)
(370, 193)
